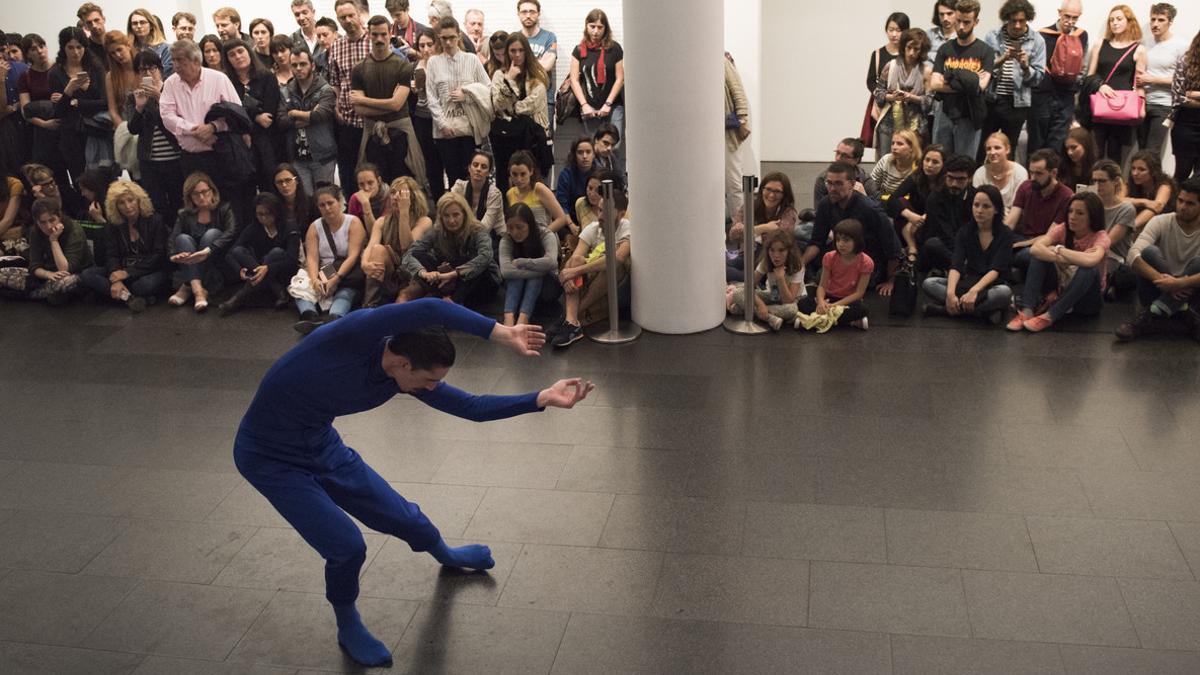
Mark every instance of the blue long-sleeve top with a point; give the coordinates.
(338, 370)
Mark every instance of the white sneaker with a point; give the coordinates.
(774, 322)
(861, 324)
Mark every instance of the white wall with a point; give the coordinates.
(815, 58)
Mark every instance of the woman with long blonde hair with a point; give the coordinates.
(405, 219)
(891, 169)
(453, 259)
(147, 33)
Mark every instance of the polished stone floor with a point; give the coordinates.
(932, 496)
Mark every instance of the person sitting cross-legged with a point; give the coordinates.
(134, 271)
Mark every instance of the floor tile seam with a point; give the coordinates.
(76, 647)
(138, 584)
(1033, 547)
(966, 603)
(233, 487)
(262, 612)
(475, 511)
(1129, 614)
(1182, 552)
(124, 525)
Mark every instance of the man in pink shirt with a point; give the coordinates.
(187, 96)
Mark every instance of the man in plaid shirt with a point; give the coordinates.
(349, 51)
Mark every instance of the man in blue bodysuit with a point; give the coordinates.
(288, 449)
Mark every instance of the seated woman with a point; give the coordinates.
(298, 207)
(782, 277)
(405, 219)
(572, 180)
(528, 189)
(1077, 158)
(891, 169)
(528, 254)
(1149, 189)
(1119, 219)
(1069, 259)
(135, 269)
(999, 171)
(485, 198)
(264, 255)
(774, 209)
(980, 265)
(14, 218)
(906, 206)
(372, 194)
(453, 260)
(203, 233)
(58, 252)
(584, 275)
(331, 278)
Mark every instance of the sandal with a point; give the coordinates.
(180, 297)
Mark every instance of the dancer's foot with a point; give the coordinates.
(357, 641)
(471, 556)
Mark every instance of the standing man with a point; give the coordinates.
(184, 25)
(327, 34)
(1041, 201)
(306, 113)
(1166, 259)
(186, 99)
(379, 89)
(1053, 105)
(306, 33)
(287, 448)
(93, 21)
(473, 26)
(1020, 66)
(942, 30)
(405, 29)
(229, 24)
(542, 43)
(1162, 53)
(346, 53)
(962, 72)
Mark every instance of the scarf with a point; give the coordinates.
(903, 115)
(481, 209)
(601, 72)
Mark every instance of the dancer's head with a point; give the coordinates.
(419, 360)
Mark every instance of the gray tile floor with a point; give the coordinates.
(932, 496)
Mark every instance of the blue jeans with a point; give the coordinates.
(994, 297)
(521, 295)
(1148, 292)
(1082, 294)
(959, 136)
(185, 243)
(343, 300)
(617, 119)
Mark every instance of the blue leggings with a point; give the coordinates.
(315, 496)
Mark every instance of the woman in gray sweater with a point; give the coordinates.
(528, 254)
(453, 259)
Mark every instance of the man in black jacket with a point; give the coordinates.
(946, 212)
(843, 202)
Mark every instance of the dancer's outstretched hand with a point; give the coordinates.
(524, 339)
(565, 393)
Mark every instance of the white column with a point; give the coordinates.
(674, 111)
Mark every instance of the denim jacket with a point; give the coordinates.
(1023, 84)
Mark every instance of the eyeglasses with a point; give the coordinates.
(772, 191)
(200, 192)
(140, 22)
(285, 181)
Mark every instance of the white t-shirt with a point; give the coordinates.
(1161, 58)
(773, 290)
(593, 233)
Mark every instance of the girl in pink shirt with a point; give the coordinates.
(1070, 261)
(845, 274)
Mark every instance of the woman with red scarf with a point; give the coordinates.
(598, 79)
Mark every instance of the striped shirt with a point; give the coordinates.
(1008, 71)
(343, 56)
(161, 149)
(444, 74)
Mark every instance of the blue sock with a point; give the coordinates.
(357, 641)
(472, 556)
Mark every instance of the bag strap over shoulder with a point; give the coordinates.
(329, 238)
(1121, 60)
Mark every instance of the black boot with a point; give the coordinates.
(234, 303)
(309, 321)
(279, 292)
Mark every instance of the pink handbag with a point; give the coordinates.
(1127, 108)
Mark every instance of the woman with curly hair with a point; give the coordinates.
(134, 269)
(1185, 135)
(404, 220)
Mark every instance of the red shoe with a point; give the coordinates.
(1018, 321)
(1038, 323)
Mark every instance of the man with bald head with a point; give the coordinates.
(1053, 105)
